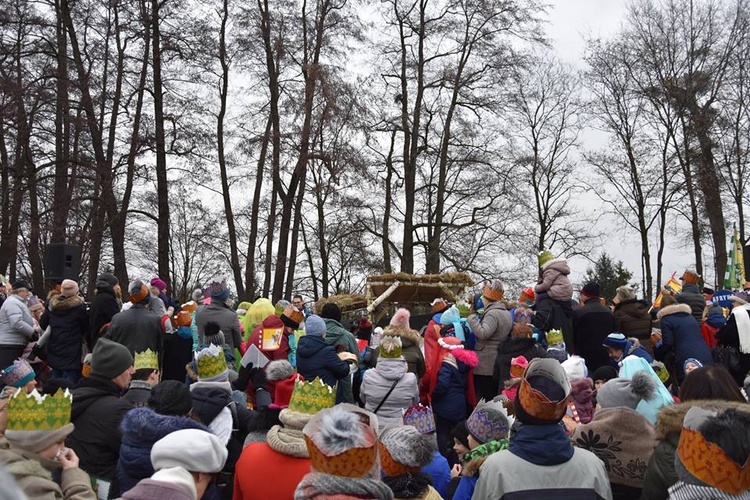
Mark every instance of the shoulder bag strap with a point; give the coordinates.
(386, 396)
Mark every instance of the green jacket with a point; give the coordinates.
(337, 334)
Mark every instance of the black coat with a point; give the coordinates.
(96, 414)
(591, 325)
(729, 336)
(69, 324)
(137, 329)
(512, 348)
(692, 296)
(555, 315)
(316, 359)
(104, 306)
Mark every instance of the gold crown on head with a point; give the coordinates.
(210, 362)
(34, 412)
(311, 397)
(554, 337)
(146, 359)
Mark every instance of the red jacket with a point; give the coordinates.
(262, 473)
(708, 333)
(256, 338)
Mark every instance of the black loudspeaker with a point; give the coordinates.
(62, 261)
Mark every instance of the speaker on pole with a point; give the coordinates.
(62, 261)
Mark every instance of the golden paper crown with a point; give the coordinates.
(311, 397)
(390, 465)
(354, 462)
(34, 412)
(708, 463)
(538, 405)
(146, 359)
(554, 337)
(210, 362)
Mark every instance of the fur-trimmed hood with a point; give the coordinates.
(408, 336)
(61, 303)
(673, 309)
(670, 418)
(142, 427)
(467, 357)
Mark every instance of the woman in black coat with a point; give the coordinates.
(69, 323)
(103, 307)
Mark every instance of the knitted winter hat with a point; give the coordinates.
(691, 361)
(110, 359)
(627, 393)
(138, 292)
(18, 374)
(69, 288)
(493, 291)
(218, 288)
(331, 311)
(575, 367)
(616, 341)
(390, 347)
(106, 280)
(170, 397)
(404, 449)
(542, 397)
(191, 449)
(488, 422)
(342, 442)
(625, 292)
(460, 433)
(364, 324)
(282, 375)
(592, 289)
(315, 326)
(604, 373)
(159, 284)
(213, 334)
(401, 318)
(544, 257)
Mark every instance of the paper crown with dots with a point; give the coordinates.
(555, 337)
(146, 359)
(210, 362)
(420, 417)
(311, 397)
(34, 412)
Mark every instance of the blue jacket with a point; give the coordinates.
(449, 396)
(440, 473)
(681, 334)
(69, 322)
(141, 428)
(316, 359)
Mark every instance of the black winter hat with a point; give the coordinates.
(592, 289)
(106, 280)
(170, 397)
(18, 284)
(331, 311)
(110, 359)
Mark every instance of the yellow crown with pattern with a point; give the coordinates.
(555, 337)
(34, 412)
(146, 359)
(311, 397)
(210, 362)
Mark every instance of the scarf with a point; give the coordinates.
(544, 444)
(742, 318)
(316, 485)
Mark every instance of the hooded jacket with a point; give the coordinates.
(632, 319)
(681, 334)
(336, 334)
(141, 428)
(692, 296)
(661, 472)
(411, 351)
(449, 399)
(555, 280)
(16, 323)
(137, 329)
(96, 412)
(69, 323)
(317, 359)
(715, 321)
(491, 332)
(33, 474)
(378, 381)
(103, 308)
(256, 338)
(541, 463)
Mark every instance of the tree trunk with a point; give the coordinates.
(289, 289)
(60, 195)
(250, 278)
(386, 239)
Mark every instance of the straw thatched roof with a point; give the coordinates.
(419, 288)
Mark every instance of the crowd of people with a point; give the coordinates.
(137, 396)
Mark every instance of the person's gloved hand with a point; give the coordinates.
(258, 378)
(243, 377)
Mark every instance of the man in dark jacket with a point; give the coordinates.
(337, 335)
(317, 359)
(691, 294)
(219, 312)
(591, 325)
(137, 328)
(104, 306)
(97, 410)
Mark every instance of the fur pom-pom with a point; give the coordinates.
(279, 369)
(643, 386)
(340, 430)
(467, 357)
(401, 318)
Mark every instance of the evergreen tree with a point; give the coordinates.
(609, 274)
